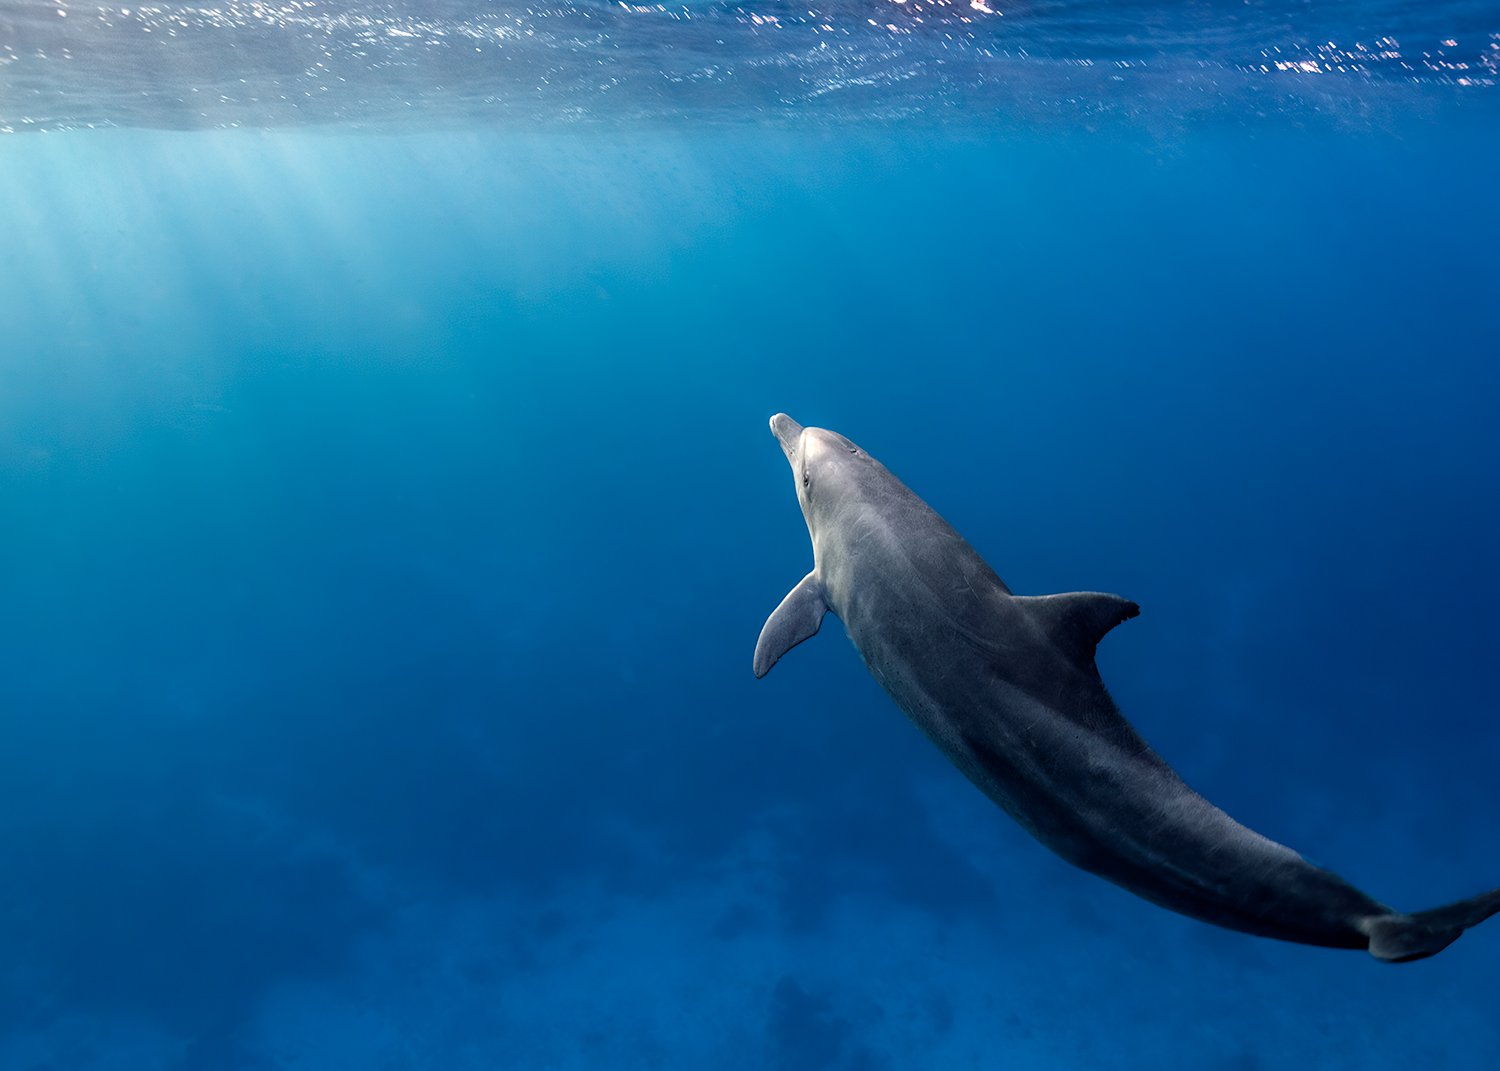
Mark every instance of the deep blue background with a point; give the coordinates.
(386, 525)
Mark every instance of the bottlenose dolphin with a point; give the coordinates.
(1005, 685)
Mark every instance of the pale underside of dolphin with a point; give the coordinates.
(1006, 686)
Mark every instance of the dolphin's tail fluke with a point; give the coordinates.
(1399, 938)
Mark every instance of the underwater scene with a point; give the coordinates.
(389, 520)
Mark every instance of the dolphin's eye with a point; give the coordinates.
(805, 479)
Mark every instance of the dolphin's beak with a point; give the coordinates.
(788, 433)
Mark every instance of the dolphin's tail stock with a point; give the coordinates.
(1398, 938)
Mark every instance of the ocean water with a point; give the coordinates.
(387, 517)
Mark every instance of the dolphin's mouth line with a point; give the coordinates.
(789, 434)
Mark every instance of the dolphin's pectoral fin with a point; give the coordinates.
(1078, 620)
(798, 617)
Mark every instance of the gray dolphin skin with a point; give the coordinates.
(1006, 686)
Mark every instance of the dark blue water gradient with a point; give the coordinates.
(386, 524)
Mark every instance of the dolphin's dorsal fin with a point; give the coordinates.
(1077, 621)
(798, 617)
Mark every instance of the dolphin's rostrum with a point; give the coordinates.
(1006, 686)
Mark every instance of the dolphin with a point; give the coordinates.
(1006, 686)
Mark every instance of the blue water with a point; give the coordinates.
(387, 517)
